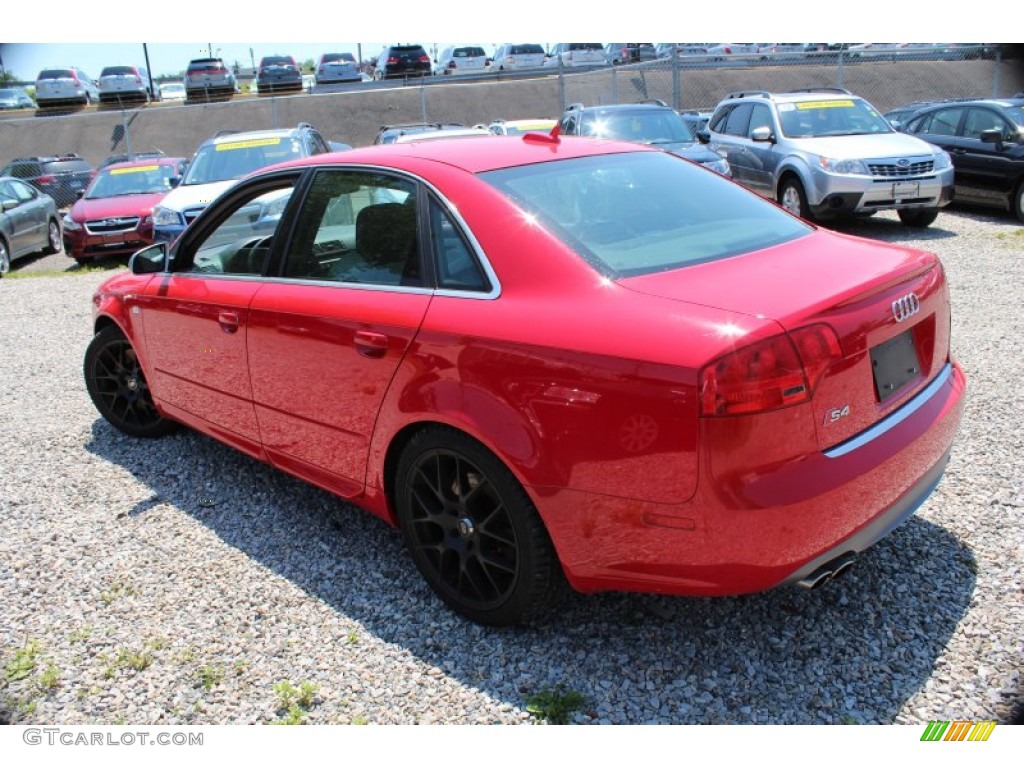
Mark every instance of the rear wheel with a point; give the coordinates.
(918, 217)
(472, 531)
(1018, 202)
(793, 198)
(118, 388)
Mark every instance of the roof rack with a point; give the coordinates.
(304, 124)
(225, 132)
(745, 94)
(656, 102)
(819, 90)
(574, 107)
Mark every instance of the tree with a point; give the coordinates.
(308, 65)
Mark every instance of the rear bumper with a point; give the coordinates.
(754, 530)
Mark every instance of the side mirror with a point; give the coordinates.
(992, 136)
(79, 194)
(149, 260)
(703, 136)
(764, 133)
(174, 181)
(8, 205)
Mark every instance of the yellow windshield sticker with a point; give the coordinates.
(137, 169)
(824, 104)
(249, 143)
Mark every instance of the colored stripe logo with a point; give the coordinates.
(958, 730)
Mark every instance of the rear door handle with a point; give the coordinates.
(370, 344)
(228, 321)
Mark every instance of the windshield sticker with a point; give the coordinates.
(824, 104)
(139, 169)
(250, 143)
(786, 107)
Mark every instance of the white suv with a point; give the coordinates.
(823, 153)
(576, 55)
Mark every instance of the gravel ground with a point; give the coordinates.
(179, 582)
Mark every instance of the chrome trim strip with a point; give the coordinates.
(894, 418)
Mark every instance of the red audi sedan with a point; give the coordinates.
(549, 358)
(115, 214)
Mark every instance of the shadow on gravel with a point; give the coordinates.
(852, 652)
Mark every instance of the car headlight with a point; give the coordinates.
(852, 167)
(943, 161)
(718, 166)
(165, 217)
(70, 224)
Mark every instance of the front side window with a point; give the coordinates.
(980, 120)
(357, 227)
(241, 241)
(638, 213)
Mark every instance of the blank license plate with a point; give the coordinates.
(894, 363)
(902, 189)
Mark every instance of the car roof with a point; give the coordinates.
(641, 107)
(476, 156)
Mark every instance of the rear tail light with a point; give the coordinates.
(47, 179)
(424, 59)
(75, 78)
(727, 50)
(451, 65)
(773, 373)
(394, 59)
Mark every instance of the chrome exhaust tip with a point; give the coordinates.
(828, 571)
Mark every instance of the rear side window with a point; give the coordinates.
(457, 267)
(739, 118)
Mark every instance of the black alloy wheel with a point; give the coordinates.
(472, 530)
(118, 388)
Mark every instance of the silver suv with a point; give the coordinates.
(823, 153)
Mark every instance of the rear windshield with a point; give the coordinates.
(67, 166)
(270, 60)
(55, 74)
(586, 47)
(462, 53)
(329, 57)
(523, 49)
(639, 213)
(201, 65)
(117, 71)
(418, 49)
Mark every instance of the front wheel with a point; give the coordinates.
(118, 387)
(793, 198)
(918, 217)
(472, 530)
(1018, 202)
(5, 258)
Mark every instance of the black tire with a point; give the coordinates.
(793, 199)
(473, 532)
(918, 217)
(118, 388)
(5, 258)
(1018, 202)
(54, 239)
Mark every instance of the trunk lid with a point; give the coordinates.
(888, 305)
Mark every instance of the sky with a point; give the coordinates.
(317, 27)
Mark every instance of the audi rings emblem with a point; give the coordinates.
(906, 306)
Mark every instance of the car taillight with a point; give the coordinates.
(773, 373)
(451, 65)
(75, 78)
(47, 179)
(394, 59)
(728, 50)
(138, 79)
(424, 59)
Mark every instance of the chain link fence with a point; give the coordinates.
(885, 78)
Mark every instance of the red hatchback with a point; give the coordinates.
(115, 214)
(546, 357)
